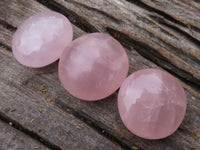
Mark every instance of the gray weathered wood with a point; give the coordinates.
(114, 17)
(12, 139)
(35, 112)
(141, 27)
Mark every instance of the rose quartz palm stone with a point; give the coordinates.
(41, 39)
(152, 103)
(93, 66)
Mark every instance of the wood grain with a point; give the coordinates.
(36, 112)
(148, 43)
(12, 139)
(138, 26)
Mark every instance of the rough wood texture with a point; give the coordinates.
(12, 139)
(138, 25)
(35, 112)
(153, 36)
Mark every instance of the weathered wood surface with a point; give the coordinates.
(138, 25)
(35, 112)
(154, 36)
(12, 139)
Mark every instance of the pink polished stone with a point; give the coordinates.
(93, 66)
(41, 39)
(152, 103)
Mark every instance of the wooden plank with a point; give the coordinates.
(12, 139)
(35, 112)
(182, 11)
(172, 48)
(15, 17)
(103, 114)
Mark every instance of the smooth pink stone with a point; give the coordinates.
(93, 66)
(41, 39)
(152, 103)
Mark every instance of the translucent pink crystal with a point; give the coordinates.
(41, 39)
(93, 66)
(152, 103)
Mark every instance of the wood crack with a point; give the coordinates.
(185, 34)
(32, 134)
(187, 57)
(97, 10)
(151, 9)
(6, 46)
(7, 26)
(98, 126)
(188, 37)
(152, 55)
(72, 16)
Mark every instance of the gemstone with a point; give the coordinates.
(41, 39)
(93, 66)
(152, 103)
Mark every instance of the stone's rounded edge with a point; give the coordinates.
(124, 122)
(65, 53)
(13, 44)
(23, 24)
(127, 59)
